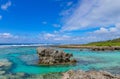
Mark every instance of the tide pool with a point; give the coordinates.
(25, 60)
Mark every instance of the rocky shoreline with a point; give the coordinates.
(93, 48)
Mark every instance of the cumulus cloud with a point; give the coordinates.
(52, 36)
(44, 22)
(94, 13)
(6, 5)
(56, 37)
(110, 30)
(7, 35)
(105, 33)
(102, 30)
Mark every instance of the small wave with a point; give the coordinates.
(23, 45)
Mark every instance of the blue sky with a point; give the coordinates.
(58, 21)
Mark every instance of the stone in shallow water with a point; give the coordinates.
(5, 64)
(2, 72)
(50, 56)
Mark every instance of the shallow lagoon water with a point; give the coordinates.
(25, 60)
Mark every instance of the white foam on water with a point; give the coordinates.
(22, 45)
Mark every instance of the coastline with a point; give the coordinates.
(94, 48)
(52, 75)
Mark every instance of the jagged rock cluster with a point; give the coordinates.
(89, 75)
(49, 56)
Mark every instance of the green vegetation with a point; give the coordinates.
(114, 42)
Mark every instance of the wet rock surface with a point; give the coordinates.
(89, 75)
(50, 56)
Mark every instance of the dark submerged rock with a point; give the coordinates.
(50, 56)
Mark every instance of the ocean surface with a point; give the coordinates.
(25, 59)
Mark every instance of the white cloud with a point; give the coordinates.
(48, 36)
(0, 17)
(62, 38)
(6, 5)
(106, 33)
(56, 37)
(112, 30)
(94, 13)
(103, 33)
(102, 30)
(69, 3)
(44, 22)
(65, 38)
(56, 25)
(7, 35)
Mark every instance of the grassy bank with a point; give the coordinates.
(114, 42)
(108, 43)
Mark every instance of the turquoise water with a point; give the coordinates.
(25, 60)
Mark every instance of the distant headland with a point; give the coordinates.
(96, 46)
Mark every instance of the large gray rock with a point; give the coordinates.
(50, 56)
(89, 75)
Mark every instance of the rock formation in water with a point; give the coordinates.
(49, 56)
(89, 75)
